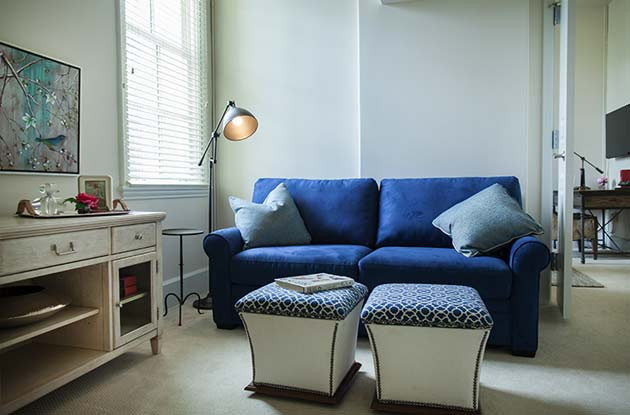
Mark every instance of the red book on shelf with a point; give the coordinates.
(128, 280)
(130, 290)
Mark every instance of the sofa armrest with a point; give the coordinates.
(221, 246)
(224, 241)
(528, 255)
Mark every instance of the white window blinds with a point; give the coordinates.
(165, 90)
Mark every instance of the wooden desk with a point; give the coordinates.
(589, 200)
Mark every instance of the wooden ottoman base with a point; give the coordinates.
(418, 409)
(281, 392)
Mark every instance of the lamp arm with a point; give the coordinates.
(215, 133)
(214, 136)
(584, 160)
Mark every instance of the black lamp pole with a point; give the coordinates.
(247, 126)
(206, 302)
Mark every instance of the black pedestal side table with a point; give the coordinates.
(181, 232)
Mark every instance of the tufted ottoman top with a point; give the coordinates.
(426, 305)
(323, 305)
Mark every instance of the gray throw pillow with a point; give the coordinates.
(486, 221)
(275, 222)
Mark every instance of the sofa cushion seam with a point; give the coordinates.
(298, 263)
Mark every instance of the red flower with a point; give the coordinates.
(91, 201)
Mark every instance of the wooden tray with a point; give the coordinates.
(74, 214)
(25, 210)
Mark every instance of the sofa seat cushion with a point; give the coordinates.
(259, 266)
(490, 276)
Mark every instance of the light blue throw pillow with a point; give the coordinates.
(275, 222)
(486, 221)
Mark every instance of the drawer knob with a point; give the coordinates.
(138, 236)
(71, 250)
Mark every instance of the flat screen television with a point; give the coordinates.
(618, 133)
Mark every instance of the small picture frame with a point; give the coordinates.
(99, 186)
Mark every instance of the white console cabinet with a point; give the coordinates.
(82, 258)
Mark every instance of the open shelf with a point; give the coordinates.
(134, 297)
(69, 315)
(35, 369)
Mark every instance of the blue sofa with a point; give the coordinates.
(385, 236)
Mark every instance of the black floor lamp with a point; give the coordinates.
(236, 124)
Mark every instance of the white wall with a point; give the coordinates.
(293, 63)
(444, 88)
(618, 92)
(83, 32)
(618, 65)
(589, 93)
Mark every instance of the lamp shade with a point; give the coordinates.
(239, 124)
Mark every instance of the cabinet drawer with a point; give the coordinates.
(25, 254)
(128, 238)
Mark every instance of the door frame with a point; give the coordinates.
(546, 198)
(566, 65)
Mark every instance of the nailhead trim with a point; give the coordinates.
(251, 347)
(376, 362)
(332, 359)
(477, 367)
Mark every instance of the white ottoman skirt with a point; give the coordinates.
(302, 345)
(428, 343)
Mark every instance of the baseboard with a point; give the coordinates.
(187, 275)
(194, 281)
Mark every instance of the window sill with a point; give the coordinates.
(163, 191)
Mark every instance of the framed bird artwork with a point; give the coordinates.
(39, 113)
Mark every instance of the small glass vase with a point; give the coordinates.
(48, 203)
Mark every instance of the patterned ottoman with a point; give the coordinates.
(428, 343)
(302, 345)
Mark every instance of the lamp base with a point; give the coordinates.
(204, 304)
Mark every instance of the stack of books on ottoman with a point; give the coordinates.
(308, 284)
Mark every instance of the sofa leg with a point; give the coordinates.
(522, 353)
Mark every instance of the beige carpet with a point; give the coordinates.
(582, 367)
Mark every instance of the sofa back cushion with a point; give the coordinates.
(334, 211)
(408, 206)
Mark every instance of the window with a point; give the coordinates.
(164, 68)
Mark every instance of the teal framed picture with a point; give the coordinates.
(39, 113)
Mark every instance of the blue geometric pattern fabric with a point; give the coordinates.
(324, 305)
(426, 305)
